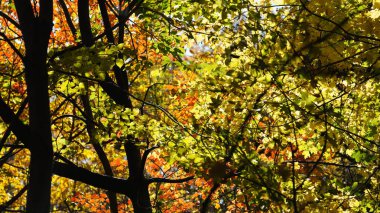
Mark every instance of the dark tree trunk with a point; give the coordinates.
(140, 199)
(36, 33)
(39, 118)
(140, 196)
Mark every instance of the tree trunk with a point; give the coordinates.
(140, 197)
(36, 33)
(39, 119)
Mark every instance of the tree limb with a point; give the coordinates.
(165, 180)
(3, 207)
(106, 182)
(14, 22)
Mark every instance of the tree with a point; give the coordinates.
(90, 70)
(273, 106)
(282, 122)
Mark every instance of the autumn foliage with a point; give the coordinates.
(189, 106)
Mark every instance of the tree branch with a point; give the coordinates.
(14, 48)
(207, 201)
(165, 180)
(84, 23)
(14, 22)
(73, 172)
(145, 156)
(106, 21)
(25, 16)
(67, 16)
(4, 206)
(91, 130)
(8, 131)
(337, 25)
(106, 182)
(18, 128)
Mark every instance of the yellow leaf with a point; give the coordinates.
(217, 206)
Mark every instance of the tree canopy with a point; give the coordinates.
(190, 106)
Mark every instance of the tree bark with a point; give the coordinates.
(36, 33)
(140, 197)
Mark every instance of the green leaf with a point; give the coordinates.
(119, 62)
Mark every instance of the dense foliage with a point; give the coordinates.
(188, 106)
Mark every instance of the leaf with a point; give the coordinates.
(119, 62)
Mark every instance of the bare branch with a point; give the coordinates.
(8, 131)
(73, 172)
(14, 48)
(4, 206)
(67, 16)
(14, 22)
(325, 163)
(21, 130)
(145, 156)
(165, 180)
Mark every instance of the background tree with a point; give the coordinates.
(282, 121)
